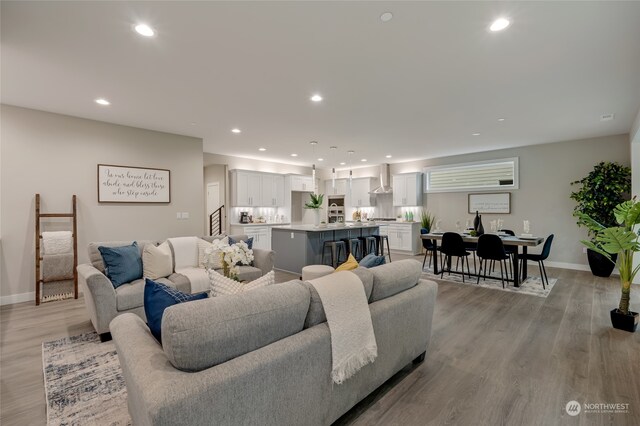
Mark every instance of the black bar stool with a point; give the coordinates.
(381, 241)
(336, 247)
(369, 245)
(354, 247)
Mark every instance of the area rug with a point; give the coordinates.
(83, 382)
(531, 286)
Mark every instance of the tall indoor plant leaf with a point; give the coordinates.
(621, 239)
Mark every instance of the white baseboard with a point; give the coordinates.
(564, 265)
(17, 298)
(23, 297)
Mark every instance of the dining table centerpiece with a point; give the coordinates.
(621, 240)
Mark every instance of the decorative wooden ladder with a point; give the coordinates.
(74, 236)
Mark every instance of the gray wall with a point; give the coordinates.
(543, 198)
(56, 156)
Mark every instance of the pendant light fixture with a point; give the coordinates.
(333, 170)
(313, 166)
(350, 154)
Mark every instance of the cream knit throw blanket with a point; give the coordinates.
(353, 343)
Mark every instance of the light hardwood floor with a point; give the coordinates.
(495, 358)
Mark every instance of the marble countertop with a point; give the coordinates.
(260, 224)
(312, 228)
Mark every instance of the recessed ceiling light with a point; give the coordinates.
(236, 130)
(388, 156)
(500, 119)
(316, 98)
(294, 155)
(262, 149)
(103, 101)
(386, 17)
(364, 160)
(145, 30)
(320, 159)
(342, 163)
(499, 24)
(475, 134)
(607, 117)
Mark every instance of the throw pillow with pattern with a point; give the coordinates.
(222, 286)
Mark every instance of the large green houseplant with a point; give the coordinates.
(623, 240)
(606, 186)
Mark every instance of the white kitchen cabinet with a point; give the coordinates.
(403, 236)
(302, 183)
(261, 235)
(407, 189)
(246, 188)
(340, 189)
(360, 196)
(272, 190)
(254, 189)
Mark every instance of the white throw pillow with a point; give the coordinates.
(157, 262)
(216, 257)
(222, 286)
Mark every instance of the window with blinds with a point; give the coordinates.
(475, 176)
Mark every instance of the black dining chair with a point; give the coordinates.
(511, 250)
(452, 245)
(429, 247)
(490, 247)
(540, 258)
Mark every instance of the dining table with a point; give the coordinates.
(521, 243)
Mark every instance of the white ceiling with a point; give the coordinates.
(415, 87)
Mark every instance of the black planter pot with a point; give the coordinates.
(600, 265)
(624, 322)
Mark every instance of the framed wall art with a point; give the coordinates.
(490, 203)
(124, 184)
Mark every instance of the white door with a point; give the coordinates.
(213, 200)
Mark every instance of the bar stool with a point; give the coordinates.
(369, 245)
(336, 247)
(381, 240)
(357, 250)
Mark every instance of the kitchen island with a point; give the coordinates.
(297, 246)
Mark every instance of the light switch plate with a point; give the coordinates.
(179, 215)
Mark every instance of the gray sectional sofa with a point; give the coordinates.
(264, 357)
(104, 302)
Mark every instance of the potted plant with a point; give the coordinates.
(427, 220)
(622, 240)
(315, 204)
(606, 186)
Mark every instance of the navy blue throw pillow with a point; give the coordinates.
(371, 260)
(122, 264)
(249, 242)
(157, 298)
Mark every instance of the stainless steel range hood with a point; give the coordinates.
(384, 187)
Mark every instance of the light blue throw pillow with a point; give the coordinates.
(122, 264)
(371, 260)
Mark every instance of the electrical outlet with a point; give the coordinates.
(185, 215)
(292, 234)
(584, 250)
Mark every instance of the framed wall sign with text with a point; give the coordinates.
(122, 184)
(490, 203)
